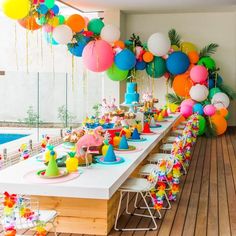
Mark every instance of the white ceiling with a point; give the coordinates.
(160, 6)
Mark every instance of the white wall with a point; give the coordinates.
(18, 87)
(199, 28)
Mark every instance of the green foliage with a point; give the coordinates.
(32, 117)
(173, 98)
(174, 37)
(135, 39)
(208, 50)
(64, 115)
(96, 109)
(210, 128)
(171, 80)
(228, 90)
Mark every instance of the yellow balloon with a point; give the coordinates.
(54, 22)
(16, 9)
(187, 47)
(175, 48)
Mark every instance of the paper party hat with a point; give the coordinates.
(52, 169)
(123, 143)
(146, 128)
(135, 134)
(110, 155)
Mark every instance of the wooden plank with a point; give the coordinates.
(170, 216)
(224, 225)
(230, 187)
(190, 218)
(201, 221)
(212, 222)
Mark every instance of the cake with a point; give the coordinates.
(131, 95)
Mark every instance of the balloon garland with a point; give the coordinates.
(193, 74)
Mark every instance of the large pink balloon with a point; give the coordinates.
(198, 74)
(188, 102)
(98, 56)
(186, 111)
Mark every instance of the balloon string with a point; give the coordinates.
(16, 54)
(167, 91)
(41, 44)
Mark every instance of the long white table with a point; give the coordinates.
(97, 184)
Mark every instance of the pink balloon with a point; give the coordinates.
(188, 102)
(186, 111)
(86, 19)
(48, 28)
(198, 74)
(209, 110)
(98, 56)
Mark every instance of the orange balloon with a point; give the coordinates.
(29, 23)
(223, 112)
(182, 85)
(76, 22)
(220, 123)
(148, 57)
(193, 57)
(119, 44)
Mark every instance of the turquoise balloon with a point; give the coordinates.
(156, 68)
(213, 91)
(115, 74)
(95, 25)
(49, 3)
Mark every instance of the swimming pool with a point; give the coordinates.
(5, 138)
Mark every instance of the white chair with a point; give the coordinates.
(143, 187)
(20, 222)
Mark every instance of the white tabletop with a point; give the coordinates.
(97, 182)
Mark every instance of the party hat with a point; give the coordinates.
(146, 128)
(52, 169)
(135, 134)
(110, 155)
(123, 143)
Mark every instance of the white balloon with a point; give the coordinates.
(110, 33)
(158, 44)
(220, 100)
(199, 92)
(62, 34)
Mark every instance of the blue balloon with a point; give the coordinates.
(55, 9)
(198, 108)
(125, 60)
(177, 63)
(43, 9)
(211, 83)
(50, 39)
(218, 78)
(77, 49)
(140, 65)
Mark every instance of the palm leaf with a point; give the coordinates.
(171, 80)
(174, 37)
(228, 90)
(173, 98)
(210, 128)
(208, 50)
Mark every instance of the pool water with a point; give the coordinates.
(5, 138)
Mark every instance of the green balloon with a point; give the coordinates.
(49, 3)
(202, 125)
(227, 116)
(115, 74)
(95, 25)
(42, 20)
(213, 91)
(156, 68)
(208, 62)
(61, 19)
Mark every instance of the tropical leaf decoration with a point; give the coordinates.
(208, 50)
(171, 80)
(135, 39)
(228, 90)
(210, 128)
(174, 37)
(173, 98)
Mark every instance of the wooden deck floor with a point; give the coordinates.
(207, 200)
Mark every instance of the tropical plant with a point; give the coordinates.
(65, 116)
(173, 98)
(174, 37)
(208, 50)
